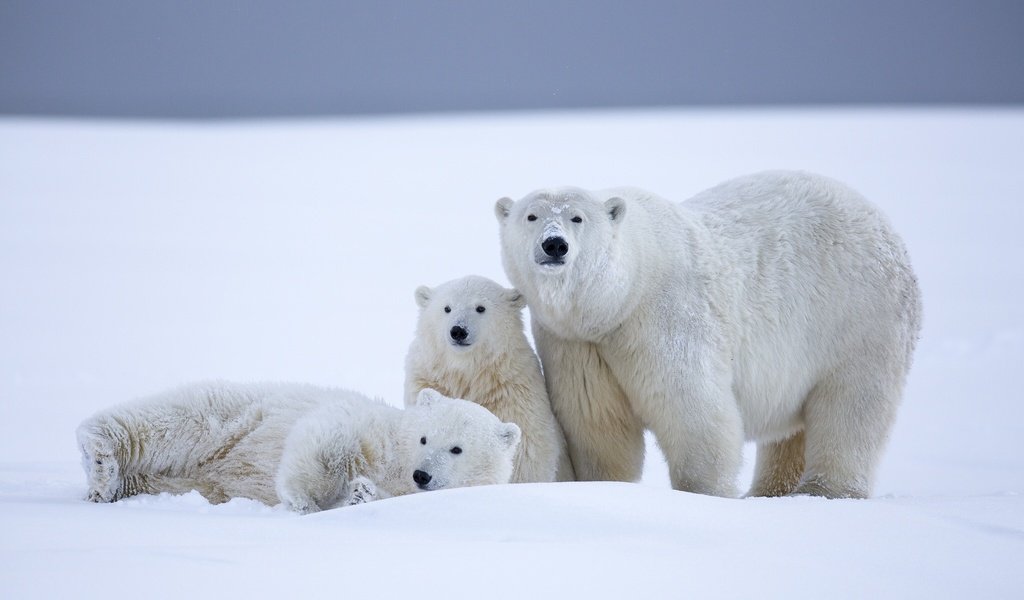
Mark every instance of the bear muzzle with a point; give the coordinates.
(459, 336)
(553, 251)
(422, 478)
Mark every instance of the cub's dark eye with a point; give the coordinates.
(577, 219)
(480, 309)
(423, 440)
(447, 309)
(456, 450)
(531, 217)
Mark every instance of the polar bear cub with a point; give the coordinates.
(307, 447)
(470, 344)
(779, 307)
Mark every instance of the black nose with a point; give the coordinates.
(458, 333)
(555, 247)
(421, 478)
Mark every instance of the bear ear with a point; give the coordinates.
(428, 397)
(509, 434)
(423, 296)
(616, 209)
(515, 298)
(503, 207)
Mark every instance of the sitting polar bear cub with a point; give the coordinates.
(310, 448)
(779, 307)
(470, 344)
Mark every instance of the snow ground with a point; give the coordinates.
(136, 255)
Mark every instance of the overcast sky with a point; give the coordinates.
(246, 58)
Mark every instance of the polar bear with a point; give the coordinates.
(778, 307)
(470, 344)
(307, 447)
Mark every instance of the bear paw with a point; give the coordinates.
(361, 491)
(826, 488)
(299, 502)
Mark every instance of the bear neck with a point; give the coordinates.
(482, 377)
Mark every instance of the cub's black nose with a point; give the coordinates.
(555, 247)
(422, 478)
(458, 333)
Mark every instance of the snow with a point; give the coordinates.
(135, 256)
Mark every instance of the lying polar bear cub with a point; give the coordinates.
(307, 447)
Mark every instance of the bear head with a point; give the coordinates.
(456, 443)
(469, 317)
(562, 249)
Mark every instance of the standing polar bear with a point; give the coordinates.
(307, 447)
(778, 307)
(470, 344)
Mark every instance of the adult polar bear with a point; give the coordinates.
(778, 307)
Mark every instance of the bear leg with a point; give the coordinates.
(99, 460)
(604, 438)
(780, 465)
(704, 454)
(847, 419)
(318, 461)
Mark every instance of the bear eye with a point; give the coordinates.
(480, 309)
(447, 309)
(423, 440)
(531, 217)
(577, 219)
(456, 450)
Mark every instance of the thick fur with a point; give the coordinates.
(493, 366)
(308, 447)
(779, 307)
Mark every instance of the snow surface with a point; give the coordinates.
(135, 256)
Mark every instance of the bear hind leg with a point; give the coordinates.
(780, 465)
(847, 419)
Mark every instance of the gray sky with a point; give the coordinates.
(259, 58)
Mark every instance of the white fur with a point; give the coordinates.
(494, 366)
(308, 447)
(778, 307)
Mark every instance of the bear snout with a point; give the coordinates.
(556, 248)
(459, 334)
(422, 478)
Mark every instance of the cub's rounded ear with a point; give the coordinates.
(515, 298)
(428, 397)
(423, 296)
(616, 209)
(503, 207)
(509, 434)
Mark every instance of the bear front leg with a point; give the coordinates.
(603, 435)
(318, 458)
(99, 460)
(701, 435)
